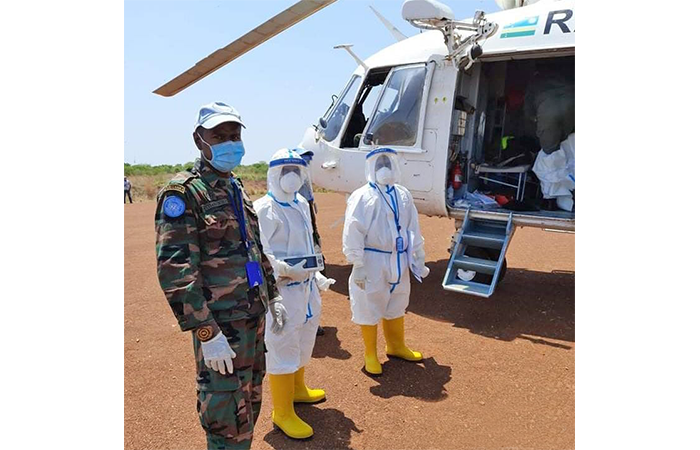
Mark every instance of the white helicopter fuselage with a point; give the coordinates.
(542, 30)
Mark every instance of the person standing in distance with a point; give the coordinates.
(217, 280)
(127, 190)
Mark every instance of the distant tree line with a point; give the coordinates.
(147, 169)
(257, 171)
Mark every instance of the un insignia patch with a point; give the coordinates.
(173, 206)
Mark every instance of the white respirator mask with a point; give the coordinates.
(385, 176)
(290, 183)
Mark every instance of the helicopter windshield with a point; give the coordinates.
(337, 117)
(396, 119)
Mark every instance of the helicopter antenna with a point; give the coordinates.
(346, 47)
(433, 15)
(399, 36)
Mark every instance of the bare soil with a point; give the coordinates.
(498, 372)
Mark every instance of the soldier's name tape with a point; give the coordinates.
(215, 204)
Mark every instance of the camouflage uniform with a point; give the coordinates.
(201, 268)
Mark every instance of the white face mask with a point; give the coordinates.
(385, 176)
(290, 183)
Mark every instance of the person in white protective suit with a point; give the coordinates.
(383, 242)
(286, 232)
(557, 173)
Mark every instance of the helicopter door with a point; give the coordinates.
(335, 170)
(398, 122)
(345, 168)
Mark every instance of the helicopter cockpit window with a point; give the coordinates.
(364, 105)
(337, 117)
(396, 119)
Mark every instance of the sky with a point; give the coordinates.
(280, 88)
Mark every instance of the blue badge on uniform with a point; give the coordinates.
(173, 206)
(252, 271)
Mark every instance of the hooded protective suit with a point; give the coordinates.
(382, 234)
(286, 231)
(382, 240)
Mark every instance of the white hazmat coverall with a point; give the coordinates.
(286, 231)
(382, 240)
(373, 228)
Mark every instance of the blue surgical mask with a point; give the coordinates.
(226, 156)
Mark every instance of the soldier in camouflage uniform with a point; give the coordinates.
(217, 280)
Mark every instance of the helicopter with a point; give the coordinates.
(449, 100)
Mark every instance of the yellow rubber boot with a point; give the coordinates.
(369, 336)
(302, 393)
(283, 415)
(395, 344)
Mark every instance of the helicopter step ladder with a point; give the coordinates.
(479, 237)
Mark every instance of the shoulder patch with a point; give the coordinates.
(174, 187)
(173, 206)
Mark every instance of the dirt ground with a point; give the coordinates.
(498, 372)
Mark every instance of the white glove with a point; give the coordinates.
(279, 315)
(295, 273)
(419, 256)
(218, 354)
(359, 276)
(420, 263)
(324, 283)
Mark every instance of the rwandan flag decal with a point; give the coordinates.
(525, 27)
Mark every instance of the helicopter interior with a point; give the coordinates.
(369, 92)
(497, 160)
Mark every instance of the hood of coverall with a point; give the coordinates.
(382, 158)
(283, 162)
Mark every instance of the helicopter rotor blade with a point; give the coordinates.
(399, 36)
(271, 28)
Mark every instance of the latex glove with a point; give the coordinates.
(424, 272)
(279, 315)
(218, 354)
(324, 283)
(359, 276)
(419, 256)
(295, 273)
